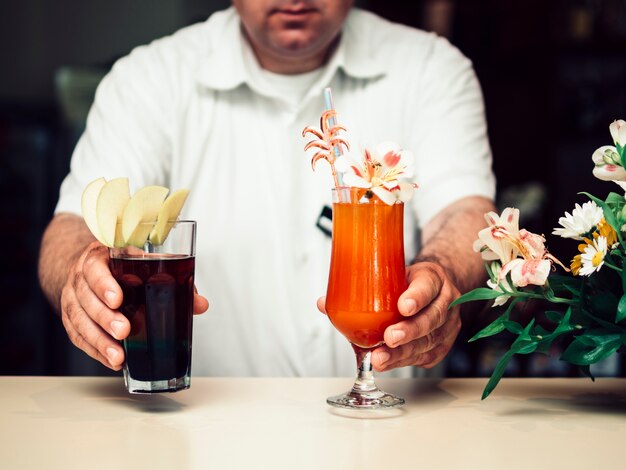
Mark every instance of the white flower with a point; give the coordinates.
(503, 286)
(379, 171)
(497, 241)
(608, 164)
(618, 132)
(592, 258)
(527, 271)
(580, 222)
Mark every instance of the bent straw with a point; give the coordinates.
(328, 104)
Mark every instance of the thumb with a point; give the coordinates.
(321, 305)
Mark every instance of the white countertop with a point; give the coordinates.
(92, 423)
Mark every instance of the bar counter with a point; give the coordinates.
(231, 423)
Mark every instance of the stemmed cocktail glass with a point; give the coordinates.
(367, 275)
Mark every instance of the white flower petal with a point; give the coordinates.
(610, 173)
(385, 195)
(592, 257)
(607, 154)
(350, 179)
(533, 271)
(387, 146)
(345, 162)
(618, 131)
(580, 221)
(406, 191)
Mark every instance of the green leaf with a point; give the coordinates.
(513, 327)
(615, 199)
(621, 309)
(554, 316)
(495, 326)
(581, 354)
(523, 344)
(622, 153)
(601, 322)
(586, 370)
(585, 341)
(482, 293)
(527, 348)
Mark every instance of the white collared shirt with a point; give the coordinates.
(194, 110)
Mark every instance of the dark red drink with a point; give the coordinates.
(158, 302)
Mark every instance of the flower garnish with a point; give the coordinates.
(592, 258)
(609, 159)
(326, 141)
(522, 253)
(608, 164)
(580, 222)
(493, 241)
(618, 132)
(378, 171)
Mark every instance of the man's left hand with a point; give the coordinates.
(428, 333)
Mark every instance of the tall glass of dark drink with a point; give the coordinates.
(158, 287)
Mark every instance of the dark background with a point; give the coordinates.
(553, 74)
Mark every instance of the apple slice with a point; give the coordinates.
(88, 207)
(141, 214)
(168, 214)
(112, 200)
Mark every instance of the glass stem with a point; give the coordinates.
(365, 379)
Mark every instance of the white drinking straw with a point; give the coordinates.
(328, 103)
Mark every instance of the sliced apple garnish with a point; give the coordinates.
(168, 214)
(110, 204)
(141, 214)
(88, 207)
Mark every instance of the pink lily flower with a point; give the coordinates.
(618, 132)
(608, 164)
(522, 253)
(527, 271)
(379, 171)
(494, 242)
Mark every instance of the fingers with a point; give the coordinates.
(113, 322)
(321, 305)
(86, 299)
(95, 268)
(426, 351)
(425, 283)
(87, 335)
(421, 324)
(200, 304)
(430, 329)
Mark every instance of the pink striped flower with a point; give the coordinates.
(379, 171)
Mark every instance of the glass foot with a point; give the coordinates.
(373, 400)
(365, 395)
(156, 386)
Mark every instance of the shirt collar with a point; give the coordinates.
(222, 69)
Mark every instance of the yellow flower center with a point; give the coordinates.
(598, 256)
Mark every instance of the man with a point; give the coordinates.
(218, 108)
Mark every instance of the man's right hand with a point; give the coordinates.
(87, 295)
(89, 302)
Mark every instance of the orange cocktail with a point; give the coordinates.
(367, 273)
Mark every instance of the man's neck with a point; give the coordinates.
(292, 65)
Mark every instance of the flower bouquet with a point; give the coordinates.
(588, 313)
